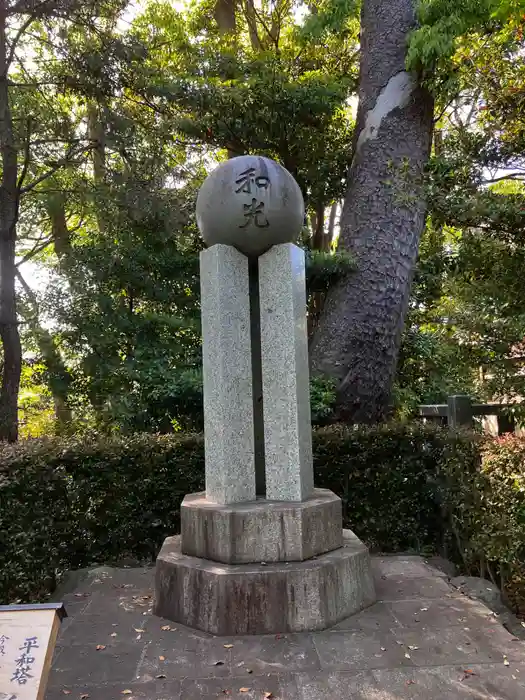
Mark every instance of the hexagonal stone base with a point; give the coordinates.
(227, 599)
(262, 530)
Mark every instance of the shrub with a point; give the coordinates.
(70, 503)
(390, 480)
(488, 514)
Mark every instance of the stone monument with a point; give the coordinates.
(261, 550)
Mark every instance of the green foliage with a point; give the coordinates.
(322, 399)
(322, 269)
(66, 503)
(500, 536)
(443, 22)
(388, 478)
(486, 510)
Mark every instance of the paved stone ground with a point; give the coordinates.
(422, 640)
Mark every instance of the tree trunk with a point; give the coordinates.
(224, 13)
(359, 333)
(59, 378)
(318, 240)
(97, 136)
(9, 335)
(56, 208)
(331, 225)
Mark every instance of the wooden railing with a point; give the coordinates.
(459, 412)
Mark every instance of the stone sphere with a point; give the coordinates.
(251, 203)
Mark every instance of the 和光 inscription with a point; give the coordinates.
(254, 212)
(248, 178)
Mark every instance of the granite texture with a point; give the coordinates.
(228, 599)
(251, 203)
(227, 375)
(269, 531)
(285, 374)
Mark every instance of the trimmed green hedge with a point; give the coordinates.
(66, 504)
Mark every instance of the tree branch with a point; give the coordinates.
(63, 161)
(15, 41)
(37, 249)
(520, 177)
(27, 157)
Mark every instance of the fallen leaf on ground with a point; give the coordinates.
(126, 692)
(113, 635)
(244, 690)
(467, 672)
(228, 646)
(162, 658)
(100, 647)
(137, 629)
(506, 661)
(165, 628)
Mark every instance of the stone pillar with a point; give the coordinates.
(285, 374)
(276, 560)
(460, 412)
(227, 375)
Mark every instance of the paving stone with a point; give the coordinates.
(499, 640)
(75, 606)
(355, 651)
(490, 682)
(327, 685)
(119, 601)
(102, 629)
(405, 566)
(441, 612)
(84, 664)
(359, 659)
(253, 688)
(159, 630)
(401, 588)
(185, 658)
(273, 654)
(378, 616)
(459, 645)
(106, 578)
(158, 690)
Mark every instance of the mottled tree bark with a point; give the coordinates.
(358, 336)
(9, 334)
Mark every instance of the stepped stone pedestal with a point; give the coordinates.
(262, 550)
